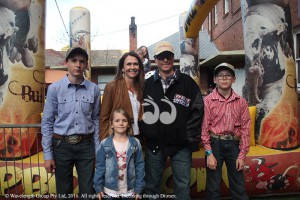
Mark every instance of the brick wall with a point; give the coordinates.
(228, 32)
(294, 5)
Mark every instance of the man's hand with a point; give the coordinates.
(211, 162)
(240, 164)
(49, 166)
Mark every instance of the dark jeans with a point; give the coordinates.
(66, 155)
(228, 151)
(181, 163)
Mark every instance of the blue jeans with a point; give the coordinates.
(228, 151)
(181, 163)
(66, 155)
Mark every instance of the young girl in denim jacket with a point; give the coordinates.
(119, 162)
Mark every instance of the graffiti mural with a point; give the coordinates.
(268, 171)
(270, 72)
(81, 33)
(22, 73)
(271, 87)
(263, 175)
(189, 49)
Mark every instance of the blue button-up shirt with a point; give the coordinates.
(68, 110)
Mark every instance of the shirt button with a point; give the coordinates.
(153, 151)
(76, 124)
(156, 147)
(76, 112)
(76, 100)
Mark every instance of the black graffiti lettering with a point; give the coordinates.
(35, 79)
(10, 88)
(26, 92)
(29, 95)
(78, 19)
(190, 17)
(293, 82)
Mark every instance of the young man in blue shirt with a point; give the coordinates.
(70, 127)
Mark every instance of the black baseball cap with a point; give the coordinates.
(75, 51)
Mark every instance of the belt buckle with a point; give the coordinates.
(227, 137)
(73, 139)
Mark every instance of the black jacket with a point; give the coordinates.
(171, 129)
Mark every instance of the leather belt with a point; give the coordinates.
(72, 139)
(224, 137)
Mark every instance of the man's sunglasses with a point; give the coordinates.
(162, 56)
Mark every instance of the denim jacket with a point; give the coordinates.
(107, 166)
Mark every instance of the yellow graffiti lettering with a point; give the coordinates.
(76, 189)
(35, 180)
(193, 176)
(166, 178)
(198, 176)
(201, 179)
(190, 18)
(51, 184)
(9, 177)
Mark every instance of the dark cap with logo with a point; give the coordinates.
(76, 51)
(223, 66)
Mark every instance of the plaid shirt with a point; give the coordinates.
(168, 81)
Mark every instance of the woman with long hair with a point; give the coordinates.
(144, 55)
(125, 91)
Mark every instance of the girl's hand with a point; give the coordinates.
(137, 196)
(101, 194)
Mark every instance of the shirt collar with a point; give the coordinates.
(169, 79)
(67, 82)
(217, 96)
(176, 75)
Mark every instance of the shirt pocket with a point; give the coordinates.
(87, 102)
(133, 149)
(236, 116)
(215, 111)
(108, 155)
(110, 163)
(65, 104)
